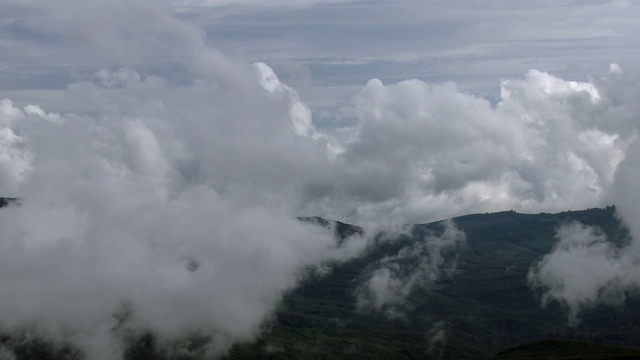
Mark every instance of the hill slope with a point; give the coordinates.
(477, 303)
(481, 307)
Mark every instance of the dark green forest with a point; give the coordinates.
(482, 308)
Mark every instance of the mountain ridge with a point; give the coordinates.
(485, 307)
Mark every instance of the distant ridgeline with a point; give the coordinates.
(480, 308)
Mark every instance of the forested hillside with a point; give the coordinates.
(476, 304)
(483, 305)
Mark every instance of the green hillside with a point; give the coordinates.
(480, 308)
(483, 307)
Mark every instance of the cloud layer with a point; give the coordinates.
(421, 151)
(188, 223)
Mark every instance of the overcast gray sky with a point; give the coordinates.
(329, 49)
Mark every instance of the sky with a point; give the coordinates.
(328, 50)
(162, 150)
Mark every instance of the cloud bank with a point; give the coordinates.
(188, 224)
(421, 151)
(585, 269)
